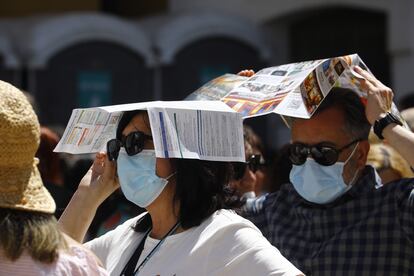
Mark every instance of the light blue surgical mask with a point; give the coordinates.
(320, 184)
(138, 178)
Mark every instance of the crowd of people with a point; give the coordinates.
(337, 199)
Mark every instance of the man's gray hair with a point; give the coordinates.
(356, 123)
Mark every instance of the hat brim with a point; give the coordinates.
(31, 196)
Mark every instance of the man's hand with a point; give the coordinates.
(378, 104)
(379, 96)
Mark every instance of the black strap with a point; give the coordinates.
(129, 269)
(130, 266)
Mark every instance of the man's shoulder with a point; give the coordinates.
(225, 218)
(402, 183)
(286, 193)
(400, 189)
(222, 223)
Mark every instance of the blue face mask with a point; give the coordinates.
(320, 184)
(138, 179)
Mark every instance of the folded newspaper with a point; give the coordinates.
(217, 88)
(292, 90)
(207, 130)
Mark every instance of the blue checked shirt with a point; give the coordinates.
(368, 231)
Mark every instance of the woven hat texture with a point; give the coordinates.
(21, 186)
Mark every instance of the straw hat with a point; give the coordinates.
(384, 157)
(20, 184)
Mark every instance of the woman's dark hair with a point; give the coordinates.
(125, 119)
(356, 123)
(201, 188)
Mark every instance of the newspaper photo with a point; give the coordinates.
(263, 92)
(207, 130)
(216, 89)
(291, 90)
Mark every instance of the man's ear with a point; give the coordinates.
(362, 153)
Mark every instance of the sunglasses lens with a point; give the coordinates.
(112, 148)
(325, 156)
(254, 162)
(298, 154)
(134, 143)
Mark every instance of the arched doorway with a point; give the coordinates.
(338, 31)
(89, 74)
(203, 60)
(198, 47)
(86, 60)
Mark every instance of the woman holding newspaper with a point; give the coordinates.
(186, 229)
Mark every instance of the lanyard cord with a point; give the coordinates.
(172, 230)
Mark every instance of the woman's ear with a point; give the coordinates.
(164, 167)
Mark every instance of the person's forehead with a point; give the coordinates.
(327, 126)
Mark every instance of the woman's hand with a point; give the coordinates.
(101, 180)
(97, 184)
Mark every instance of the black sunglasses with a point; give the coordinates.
(255, 162)
(322, 154)
(133, 144)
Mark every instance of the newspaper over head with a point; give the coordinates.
(207, 130)
(291, 90)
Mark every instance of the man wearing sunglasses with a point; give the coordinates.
(336, 218)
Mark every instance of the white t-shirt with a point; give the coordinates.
(224, 244)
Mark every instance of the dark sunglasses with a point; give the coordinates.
(133, 144)
(255, 162)
(322, 154)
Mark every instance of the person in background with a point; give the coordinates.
(336, 218)
(114, 211)
(389, 163)
(249, 177)
(244, 178)
(408, 116)
(279, 168)
(50, 168)
(257, 152)
(407, 101)
(187, 228)
(30, 241)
